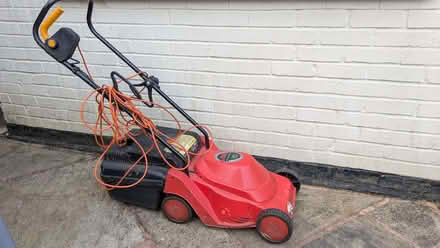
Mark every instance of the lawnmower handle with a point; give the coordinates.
(81, 74)
(44, 28)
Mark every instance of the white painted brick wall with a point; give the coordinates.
(343, 82)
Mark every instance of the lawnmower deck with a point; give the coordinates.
(239, 186)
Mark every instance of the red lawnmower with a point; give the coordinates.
(184, 176)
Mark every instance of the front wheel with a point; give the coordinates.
(274, 226)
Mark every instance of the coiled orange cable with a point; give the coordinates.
(111, 99)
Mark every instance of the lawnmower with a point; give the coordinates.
(184, 172)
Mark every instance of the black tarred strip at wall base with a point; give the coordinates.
(310, 173)
(3, 128)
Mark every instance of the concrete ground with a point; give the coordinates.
(49, 198)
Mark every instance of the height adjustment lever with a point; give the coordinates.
(115, 75)
(152, 82)
(153, 79)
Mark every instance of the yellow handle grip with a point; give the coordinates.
(44, 29)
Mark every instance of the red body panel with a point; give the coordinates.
(230, 194)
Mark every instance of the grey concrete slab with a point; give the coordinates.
(192, 234)
(359, 233)
(414, 220)
(20, 159)
(9, 147)
(10, 205)
(316, 209)
(64, 207)
(50, 199)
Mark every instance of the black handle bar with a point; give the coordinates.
(39, 21)
(143, 75)
(77, 71)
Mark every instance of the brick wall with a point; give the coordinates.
(343, 82)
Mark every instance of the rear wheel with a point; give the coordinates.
(177, 209)
(274, 226)
(292, 176)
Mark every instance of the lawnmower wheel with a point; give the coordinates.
(176, 209)
(274, 226)
(291, 175)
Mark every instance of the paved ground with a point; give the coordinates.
(50, 199)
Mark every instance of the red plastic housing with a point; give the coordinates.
(230, 194)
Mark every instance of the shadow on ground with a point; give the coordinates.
(49, 198)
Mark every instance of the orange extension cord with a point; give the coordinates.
(121, 127)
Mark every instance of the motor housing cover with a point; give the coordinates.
(67, 41)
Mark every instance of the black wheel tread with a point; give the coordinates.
(173, 197)
(279, 214)
(292, 176)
